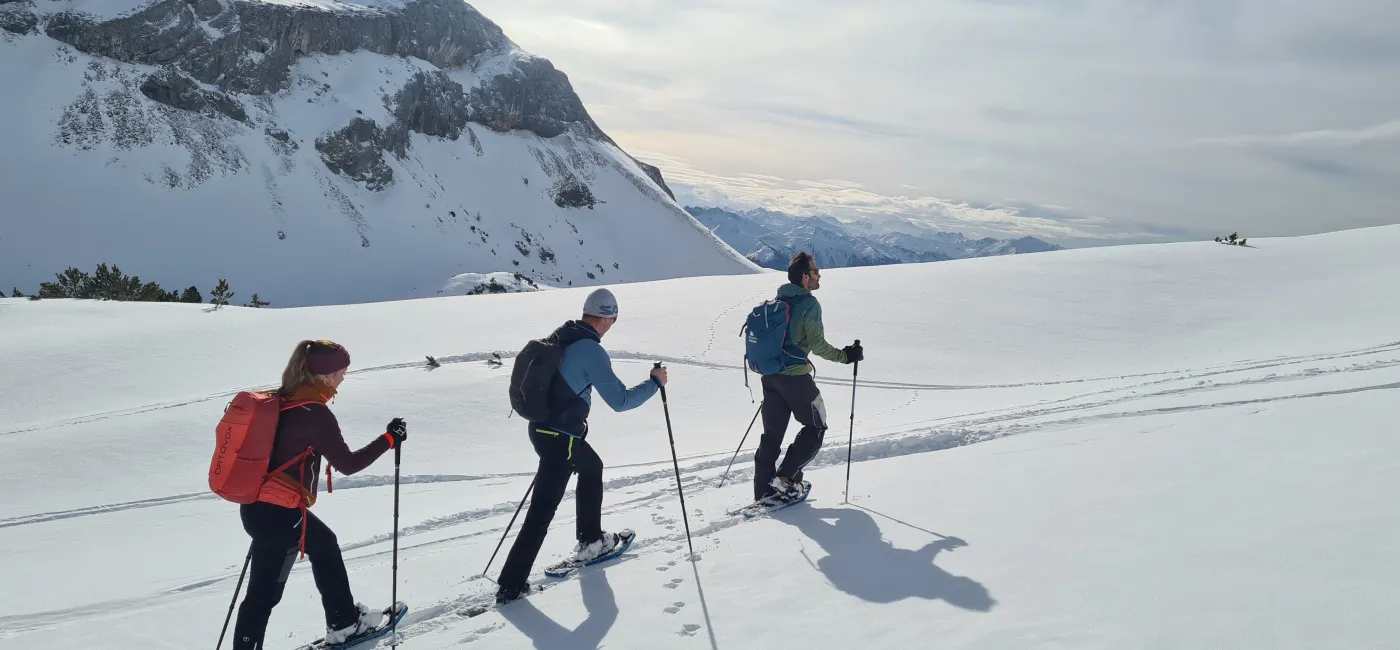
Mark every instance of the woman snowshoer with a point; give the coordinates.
(280, 524)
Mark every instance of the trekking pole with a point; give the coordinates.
(394, 598)
(850, 441)
(676, 465)
(512, 523)
(741, 444)
(236, 589)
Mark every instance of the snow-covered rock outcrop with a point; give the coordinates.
(315, 152)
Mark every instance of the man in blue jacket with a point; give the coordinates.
(562, 446)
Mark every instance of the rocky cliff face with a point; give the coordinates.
(376, 115)
(249, 47)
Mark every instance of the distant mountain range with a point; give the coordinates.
(770, 239)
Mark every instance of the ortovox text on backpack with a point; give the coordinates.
(243, 444)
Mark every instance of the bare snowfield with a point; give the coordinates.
(1166, 446)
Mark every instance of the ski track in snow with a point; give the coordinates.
(1176, 375)
(343, 483)
(1200, 385)
(1042, 409)
(987, 417)
(228, 395)
(701, 472)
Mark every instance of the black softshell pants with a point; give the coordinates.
(560, 457)
(786, 396)
(276, 533)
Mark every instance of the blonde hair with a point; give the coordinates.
(297, 374)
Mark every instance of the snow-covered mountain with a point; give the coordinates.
(314, 151)
(769, 238)
(1099, 449)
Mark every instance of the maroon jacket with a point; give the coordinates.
(314, 426)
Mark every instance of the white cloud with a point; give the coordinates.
(844, 199)
(1326, 137)
(1154, 115)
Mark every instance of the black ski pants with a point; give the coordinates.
(276, 533)
(560, 457)
(786, 396)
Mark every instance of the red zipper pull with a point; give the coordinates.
(329, 487)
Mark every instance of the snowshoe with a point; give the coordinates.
(611, 546)
(372, 625)
(369, 620)
(790, 494)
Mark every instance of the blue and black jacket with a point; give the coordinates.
(586, 366)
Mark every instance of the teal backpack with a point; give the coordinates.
(767, 349)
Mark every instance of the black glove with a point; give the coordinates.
(854, 353)
(397, 432)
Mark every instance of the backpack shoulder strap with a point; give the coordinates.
(295, 459)
(797, 303)
(288, 405)
(793, 301)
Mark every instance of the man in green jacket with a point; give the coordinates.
(793, 392)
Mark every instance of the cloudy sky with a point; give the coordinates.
(1079, 121)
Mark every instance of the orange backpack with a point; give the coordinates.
(243, 446)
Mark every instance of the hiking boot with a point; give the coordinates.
(596, 549)
(785, 489)
(507, 594)
(369, 620)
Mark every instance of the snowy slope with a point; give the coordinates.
(314, 153)
(1183, 445)
(770, 238)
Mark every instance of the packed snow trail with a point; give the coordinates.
(1190, 380)
(1119, 474)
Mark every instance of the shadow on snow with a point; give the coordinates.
(862, 563)
(598, 599)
